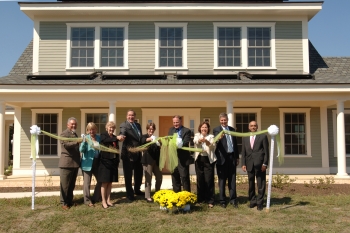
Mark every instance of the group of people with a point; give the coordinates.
(103, 165)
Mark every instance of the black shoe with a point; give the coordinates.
(130, 199)
(223, 205)
(252, 205)
(139, 193)
(260, 207)
(234, 204)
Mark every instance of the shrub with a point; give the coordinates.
(320, 183)
(281, 181)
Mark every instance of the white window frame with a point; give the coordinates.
(97, 45)
(85, 111)
(184, 45)
(59, 129)
(308, 129)
(334, 113)
(244, 45)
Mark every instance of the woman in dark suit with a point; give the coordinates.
(109, 162)
(150, 161)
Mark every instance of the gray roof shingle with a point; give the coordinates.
(327, 70)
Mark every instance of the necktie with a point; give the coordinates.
(135, 129)
(229, 142)
(252, 142)
(178, 131)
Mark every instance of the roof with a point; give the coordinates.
(326, 70)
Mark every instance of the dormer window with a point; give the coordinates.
(97, 46)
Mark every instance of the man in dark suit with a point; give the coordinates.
(131, 161)
(255, 158)
(69, 164)
(227, 155)
(181, 173)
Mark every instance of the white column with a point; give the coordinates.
(324, 137)
(112, 112)
(17, 139)
(229, 111)
(341, 140)
(2, 140)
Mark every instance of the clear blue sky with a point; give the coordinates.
(329, 31)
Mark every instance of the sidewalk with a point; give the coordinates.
(42, 181)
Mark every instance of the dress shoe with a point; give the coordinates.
(110, 205)
(91, 205)
(65, 207)
(223, 205)
(260, 207)
(210, 206)
(149, 200)
(139, 193)
(105, 207)
(130, 199)
(234, 204)
(252, 205)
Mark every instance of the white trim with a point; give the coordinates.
(308, 129)
(249, 110)
(36, 41)
(305, 39)
(17, 130)
(324, 136)
(244, 45)
(59, 127)
(184, 46)
(187, 113)
(97, 46)
(334, 116)
(83, 113)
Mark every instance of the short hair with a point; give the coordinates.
(151, 124)
(110, 124)
(254, 121)
(178, 117)
(91, 125)
(72, 119)
(223, 114)
(204, 123)
(131, 110)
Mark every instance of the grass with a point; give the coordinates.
(288, 213)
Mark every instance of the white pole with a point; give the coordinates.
(33, 183)
(270, 174)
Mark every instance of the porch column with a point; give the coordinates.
(112, 112)
(2, 140)
(229, 111)
(341, 156)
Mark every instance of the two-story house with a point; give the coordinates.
(252, 59)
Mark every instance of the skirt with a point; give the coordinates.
(108, 170)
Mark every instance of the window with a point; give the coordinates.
(171, 46)
(244, 45)
(347, 132)
(242, 123)
(99, 116)
(49, 120)
(295, 131)
(97, 46)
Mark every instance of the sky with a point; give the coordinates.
(329, 31)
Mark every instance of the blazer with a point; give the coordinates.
(70, 155)
(221, 147)
(152, 154)
(108, 141)
(210, 150)
(259, 155)
(184, 156)
(132, 139)
(88, 153)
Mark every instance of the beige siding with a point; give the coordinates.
(289, 50)
(52, 46)
(332, 158)
(213, 115)
(200, 46)
(142, 46)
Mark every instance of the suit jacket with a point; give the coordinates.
(209, 150)
(132, 140)
(108, 141)
(221, 147)
(88, 153)
(70, 155)
(259, 155)
(184, 156)
(152, 154)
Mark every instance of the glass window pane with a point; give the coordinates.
(171, 61)
(178, 62)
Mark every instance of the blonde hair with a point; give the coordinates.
(110, 124)
(91, 125)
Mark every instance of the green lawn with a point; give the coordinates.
(288, 213)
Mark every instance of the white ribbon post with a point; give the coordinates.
(34, 131)
(273, 131)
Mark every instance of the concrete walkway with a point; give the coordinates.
(49, 181)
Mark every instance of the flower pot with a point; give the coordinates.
(162, 208)
(187, 207)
